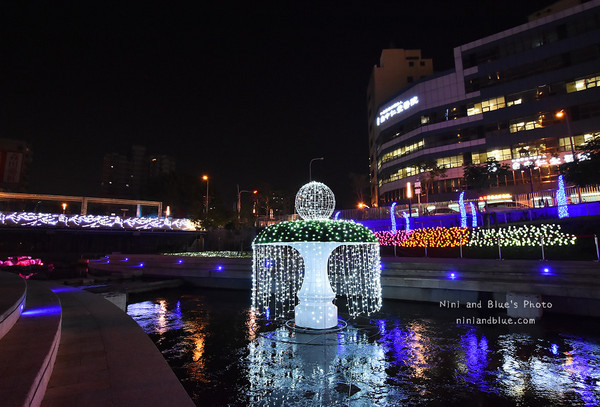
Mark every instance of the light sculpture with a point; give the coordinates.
(463, 211)
(473, 214)
(393, 217)
(561, 199)
(302, 265)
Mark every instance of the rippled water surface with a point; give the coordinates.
(408, 354)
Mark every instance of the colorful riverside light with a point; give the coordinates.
(314, 259)
(522, 236)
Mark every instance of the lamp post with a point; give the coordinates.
(205, 178)
(239, 199)
(310, 167)
(525, 153)
(563, 114)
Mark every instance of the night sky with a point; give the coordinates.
(248, 94)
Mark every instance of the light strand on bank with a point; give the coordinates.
(517, 236)
(31, 219)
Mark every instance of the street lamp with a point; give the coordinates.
(239, 199)
(310, 167)
(205, 178)
(64, 207)
(560, 115)
(525, 153)
(362, 205)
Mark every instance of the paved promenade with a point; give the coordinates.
(104, 358)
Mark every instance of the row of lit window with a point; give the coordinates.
(486, 106)
(564, 143)
(402, 151)
(525, 125)
(447, 162)
(583, 84)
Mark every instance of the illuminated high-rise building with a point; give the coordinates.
(397, 69)
(500, 101)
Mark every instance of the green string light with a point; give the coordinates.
(316, 231)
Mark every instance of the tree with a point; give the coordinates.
(584, 171)
(360, 184)
(432, 171)
(483, 176)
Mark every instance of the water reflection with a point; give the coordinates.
(408, 355)
(291, 368)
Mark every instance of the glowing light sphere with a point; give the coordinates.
(315, 201)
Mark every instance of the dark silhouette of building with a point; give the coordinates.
(126, 175)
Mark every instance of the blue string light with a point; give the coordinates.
(561, 198)
(393, 216)
(473, 214)
(463, 211)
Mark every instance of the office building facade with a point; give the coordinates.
(501, 101)
(397, 68)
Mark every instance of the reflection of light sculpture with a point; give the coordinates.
(315, 259)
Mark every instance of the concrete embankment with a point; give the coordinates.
(571, 287)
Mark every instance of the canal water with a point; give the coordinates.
(409, 354)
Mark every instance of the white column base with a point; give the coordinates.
(315, 309)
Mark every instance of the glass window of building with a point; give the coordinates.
(450, 162)
(583, 84)
(499, 154)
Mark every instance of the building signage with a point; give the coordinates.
(495, 197)
(396, 108)
(537, 161)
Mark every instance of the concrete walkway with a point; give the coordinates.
(106, 359)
